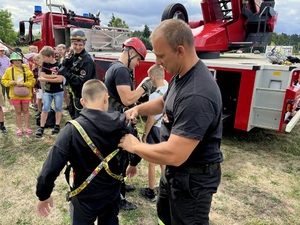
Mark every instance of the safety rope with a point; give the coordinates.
(103, 164)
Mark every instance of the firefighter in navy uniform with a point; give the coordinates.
(77, 68)
(119, 82)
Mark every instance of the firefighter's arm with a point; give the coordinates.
(127, 96)
(87, 72)
(173, 152)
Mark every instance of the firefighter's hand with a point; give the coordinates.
(147, 86)
(128, 143)
(131, 171)
(43, 208)
(131, 115)
(62, 71)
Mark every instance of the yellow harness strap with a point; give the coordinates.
(103, 164)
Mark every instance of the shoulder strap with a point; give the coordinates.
(87, 138)
(161, 94)
(104, 163)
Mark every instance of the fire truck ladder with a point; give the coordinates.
(62, 10)
(258, 32)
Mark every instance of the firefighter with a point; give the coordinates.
(77, 68)
(119, 82)
(191, 129)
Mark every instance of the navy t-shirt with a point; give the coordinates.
(117, 74)
(193, 109)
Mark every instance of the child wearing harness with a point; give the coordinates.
(89, 144)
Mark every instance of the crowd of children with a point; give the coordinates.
(24, 82)
(34, 81)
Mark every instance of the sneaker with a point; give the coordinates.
(55, 130)
(38, 114)
(3, 130)
(39, 133)
(129, 188)
(33, 106)
(125, 205)
(148, 194)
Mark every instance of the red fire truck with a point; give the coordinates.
(255, 92)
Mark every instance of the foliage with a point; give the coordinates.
(117, 22)
(144, 36)
(146, 32)
(287, 40)
(7, 33)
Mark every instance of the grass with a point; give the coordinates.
(260, 183)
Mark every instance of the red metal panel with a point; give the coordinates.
(290, 104)
(245, 99)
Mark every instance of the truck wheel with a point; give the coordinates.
(176, 11)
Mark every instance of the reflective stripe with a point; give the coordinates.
(160, 222)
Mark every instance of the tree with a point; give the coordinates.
(146, 32)
(117, 22)
(7, 33)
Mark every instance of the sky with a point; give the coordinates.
(138, 13)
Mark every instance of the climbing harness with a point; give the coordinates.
(103, 164)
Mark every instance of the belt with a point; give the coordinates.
(200, 169)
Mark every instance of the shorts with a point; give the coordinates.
(39, 94)
(19, 101)
(58, 101)
(154, 135)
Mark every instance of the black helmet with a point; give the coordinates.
(77, 35)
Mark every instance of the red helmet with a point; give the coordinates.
(138, 46)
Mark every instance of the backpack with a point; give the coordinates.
(50, 122)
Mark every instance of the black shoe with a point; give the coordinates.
(148, 194)
(125, 205)
(55, 130)
(38, 114)
(3, 130)
(129, 188)
(39, 133)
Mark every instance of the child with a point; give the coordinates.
(19, 75)
(53, 90)
(100, 198)
(152, 128)
(37, 67)
(4, 64)
(2, 104)
(62, 50)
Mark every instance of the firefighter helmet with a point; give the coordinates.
(138, 46)
(15, 56)
(78, 35)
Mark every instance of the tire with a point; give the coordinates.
(176, 11)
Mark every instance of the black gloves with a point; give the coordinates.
(147, 86)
